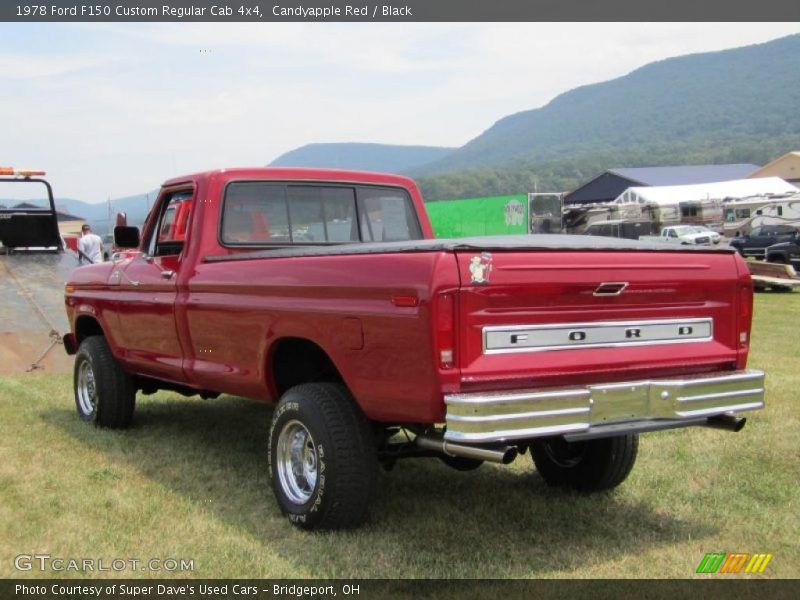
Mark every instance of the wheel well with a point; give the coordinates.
(296, 360)
(86, 327)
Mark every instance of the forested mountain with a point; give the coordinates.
(733, 106)
(366, 157)
(568, 173)
(718, 103)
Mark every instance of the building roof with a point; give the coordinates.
(740, 188)
(786, 166)
(611, 183)
(686, 174)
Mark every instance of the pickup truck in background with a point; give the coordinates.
(761, 238)
(690, 235)
(785, 252)
(322, 291)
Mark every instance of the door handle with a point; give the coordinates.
(167, 274)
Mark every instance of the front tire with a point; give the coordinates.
(589, 466)
(104, 394)
(322, 457)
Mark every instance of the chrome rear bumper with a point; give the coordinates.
(581, 412)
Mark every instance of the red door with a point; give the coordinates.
(148, 289)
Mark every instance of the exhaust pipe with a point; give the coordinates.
(727, 422)
(501, 454)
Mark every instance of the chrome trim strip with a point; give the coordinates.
(589, 410)
(513, 397)
(718, 410)
(520, 416)
(704, 397)
(530, 330)
(517, 434)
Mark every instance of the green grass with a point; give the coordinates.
(189, 481)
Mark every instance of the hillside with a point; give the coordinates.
(740, 95)
(365, 157)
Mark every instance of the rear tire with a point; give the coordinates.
(588, 466)
(322, 457)
(777, 258)
(104, 394)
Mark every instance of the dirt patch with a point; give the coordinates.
(18, 351)
(31, 307)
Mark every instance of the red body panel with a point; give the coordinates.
(214, 325)
(558, 287)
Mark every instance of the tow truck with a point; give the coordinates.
(28, 227)
(33, 268)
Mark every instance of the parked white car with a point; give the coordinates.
(682, 234)
(715, 236)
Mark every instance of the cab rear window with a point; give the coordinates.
(267, 213)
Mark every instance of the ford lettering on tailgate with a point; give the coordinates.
(567, 336)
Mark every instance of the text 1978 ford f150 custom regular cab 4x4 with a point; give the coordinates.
(322, 291)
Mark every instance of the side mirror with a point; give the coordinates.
(126, 237)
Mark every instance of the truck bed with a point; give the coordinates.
(499, 243)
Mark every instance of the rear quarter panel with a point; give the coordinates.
(238, 312)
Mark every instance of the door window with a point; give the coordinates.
(169, 235)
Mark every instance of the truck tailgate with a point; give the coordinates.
(543, 318)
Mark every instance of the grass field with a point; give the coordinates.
(188, 481)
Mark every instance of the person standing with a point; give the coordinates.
(90, 246)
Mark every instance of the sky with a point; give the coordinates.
(112, 110)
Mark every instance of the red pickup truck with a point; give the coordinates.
(324, 292)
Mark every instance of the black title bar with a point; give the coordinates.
(399, 11)
(382, 589)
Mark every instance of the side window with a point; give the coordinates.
(166, 222)
(255, 213)
(756, 232)
(170, 233)
(387, 215)
(322, 214)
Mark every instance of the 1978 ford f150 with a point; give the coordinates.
(324, 292)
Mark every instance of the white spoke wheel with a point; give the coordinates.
(104, 393)
(322, 457)
(297, 462)
(85, 392)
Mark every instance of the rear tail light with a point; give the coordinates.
(745, 311)
(744, 320)
(445, 330)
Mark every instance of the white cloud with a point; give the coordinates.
(125, 106)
